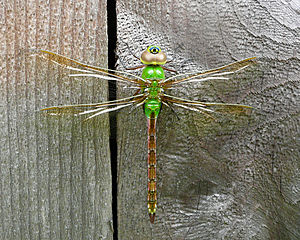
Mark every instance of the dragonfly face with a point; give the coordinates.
(153, 56)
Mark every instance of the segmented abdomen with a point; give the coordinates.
(152, 192)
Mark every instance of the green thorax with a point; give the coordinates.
(152, 105)
(153, 72)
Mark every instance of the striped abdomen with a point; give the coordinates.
(152, 192)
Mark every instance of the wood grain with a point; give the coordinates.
(55, 171)
(215, 181)
(234, 179)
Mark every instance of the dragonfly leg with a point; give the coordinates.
(168, 69)
(137, 92)
(128, 47)
(134, 68)
(172, 109)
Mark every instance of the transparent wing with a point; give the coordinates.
(96, 109)
(86, 70)
(206, 108)
(223, 72)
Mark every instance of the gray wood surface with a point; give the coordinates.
(236, 179)
(55, 180)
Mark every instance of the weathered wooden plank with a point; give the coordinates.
(216, 181)
(55, 171)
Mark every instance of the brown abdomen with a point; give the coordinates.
(152, 192)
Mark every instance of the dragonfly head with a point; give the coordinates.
(153, 56)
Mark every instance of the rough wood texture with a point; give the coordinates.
(55, 171)
(216, 181)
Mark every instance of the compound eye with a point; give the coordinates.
(154, 49)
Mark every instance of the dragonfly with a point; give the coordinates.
(151, 94)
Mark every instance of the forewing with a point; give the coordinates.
(223, 72)
(82, 69)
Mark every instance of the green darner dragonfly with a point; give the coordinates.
(151, 93)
